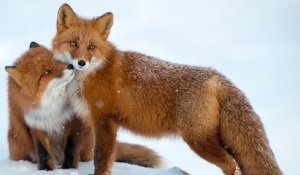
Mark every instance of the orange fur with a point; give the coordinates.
(24, 94)
(154, 98)
(26, 85)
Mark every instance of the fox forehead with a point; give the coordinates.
(36, 57)
(84, 36)
(38, 64)
(33, 65)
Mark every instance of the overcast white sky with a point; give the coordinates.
(255, 43)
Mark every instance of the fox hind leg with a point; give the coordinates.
(19, 135)
(200, 130)
(210, 149)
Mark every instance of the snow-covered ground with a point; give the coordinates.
(26, 168)
(254, 43)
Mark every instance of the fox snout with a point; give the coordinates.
(80, 64)
(68, 75)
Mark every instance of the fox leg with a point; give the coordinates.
(72, 143)
(210, 149)
(87, 152)
(43, 149)
(18, 134)
(87, 141)
(71, 154)
(200, 130)
(104, 153)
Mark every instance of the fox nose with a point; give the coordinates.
(81, 62)
(70, 66)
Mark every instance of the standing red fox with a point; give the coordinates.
(43, 126)
(155, 98)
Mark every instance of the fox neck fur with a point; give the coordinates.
(53, 112)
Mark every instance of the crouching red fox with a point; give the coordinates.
(155, 98)
(43, 127)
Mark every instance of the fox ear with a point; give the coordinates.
(33, 45)
(14, 73)
(66, 17)
(104, 24)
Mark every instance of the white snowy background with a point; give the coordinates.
(254, 43)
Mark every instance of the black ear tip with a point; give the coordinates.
(108, 13)
(33, 44)
(10, 67)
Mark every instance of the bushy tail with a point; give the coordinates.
(138, 155)
(242, 132)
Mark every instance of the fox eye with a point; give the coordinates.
(47, 72)
(92, 47)
(73, 43)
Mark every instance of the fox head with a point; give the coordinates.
(82, 42)
(38, 74)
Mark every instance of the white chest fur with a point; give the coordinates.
(77, 103)
(53, 111)
(74, 88)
